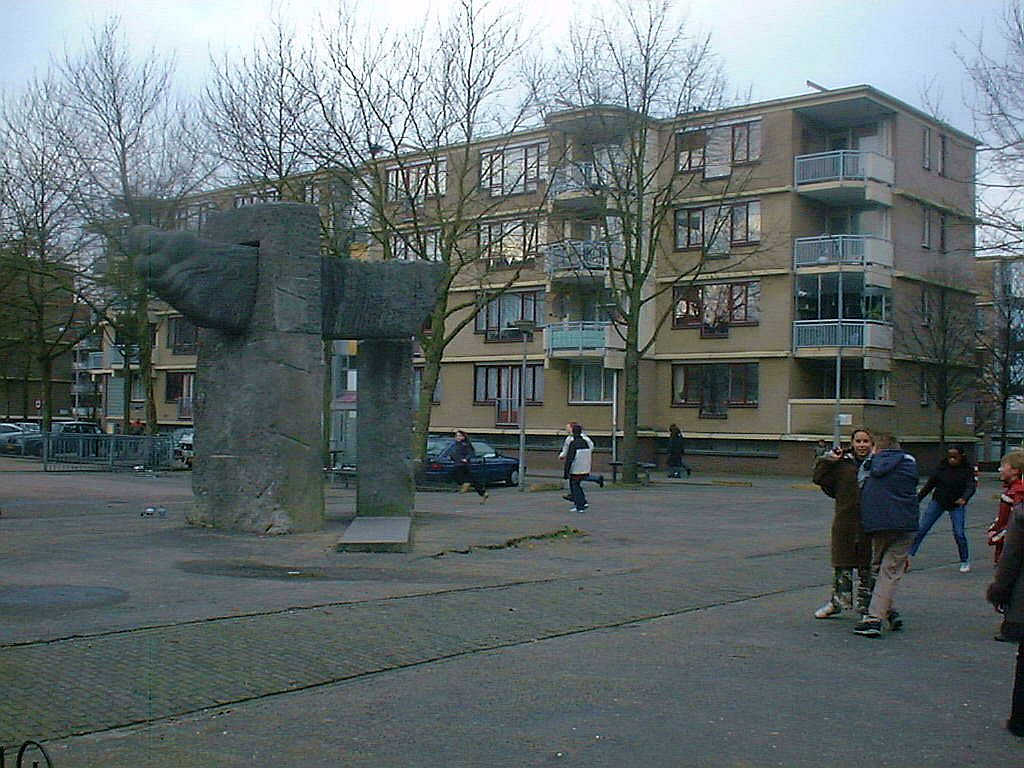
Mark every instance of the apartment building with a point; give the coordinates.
(826, 228)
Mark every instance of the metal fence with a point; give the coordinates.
(104, 453)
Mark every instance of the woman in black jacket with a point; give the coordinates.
(951, 484)
(461, 454)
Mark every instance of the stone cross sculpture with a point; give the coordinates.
(266, 299)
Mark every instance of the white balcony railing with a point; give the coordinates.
(843, 165)
(842, 333)
(842, 249)
(573, 179)
(581, 255)
(95, 360)
(577, 336)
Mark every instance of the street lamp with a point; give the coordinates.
(526, 328)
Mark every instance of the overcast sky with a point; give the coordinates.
(770, 47)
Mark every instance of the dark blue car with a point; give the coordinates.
(488, 465)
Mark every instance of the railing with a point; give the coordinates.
(83, 388)
(578, 255)
(115, 357)
(101, 452)
(576, 336)
(506, 412)
(842, 249)
(842, 333)
(843, 165)
(95, 360)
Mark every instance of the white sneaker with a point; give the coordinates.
(965, 567)
(829, 609)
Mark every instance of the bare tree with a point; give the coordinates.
(45, 277)
(141, 154)
(403, 113)
(1001, 342)
(998, 109)
(662, 80)
(938, 334)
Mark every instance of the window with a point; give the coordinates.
(943, 232)
(591, 384)
(502, 310)
(344, 376)
(716, 306)
(855, 383)
(715, 149)
(412, 246)
(923, 386)
(417, 385)
(179, 386)
(508, 243)
(268, 195)
(501, 382)
(719, 226)
(926, 147)
(843, 295)
(925, 306)
(193, 216)
(513, 170)
(181, 336)
(416, 181)
(715, 387)
(691, 148)
(942, 159)
(926, 227)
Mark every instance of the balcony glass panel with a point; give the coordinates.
(578, 336)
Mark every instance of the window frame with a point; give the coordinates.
(496, 161)
(175, 325)
(500, 331)
(416, 181)
(607, 388)
(530, 240)
(739, 298)
(692, 383)
(685, 213)
(534, 371)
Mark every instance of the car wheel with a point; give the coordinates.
(513, 478)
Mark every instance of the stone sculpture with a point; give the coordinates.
(265, 299)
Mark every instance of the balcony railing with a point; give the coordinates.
(843, 165)
(115, 357)
(842, 333)
(581, 255)
(577, 336)
(573, 179)
(842, 249)
(95, 361)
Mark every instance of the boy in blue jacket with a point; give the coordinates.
(889, 513)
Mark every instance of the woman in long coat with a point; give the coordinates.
(836, 473)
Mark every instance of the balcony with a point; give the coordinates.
(826, 335)
(115, 357)
(576, 259)
(95, 361)
(593, 339)
(83, 388)
(858, 250)
(845, 177)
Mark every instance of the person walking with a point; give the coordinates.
(675, 452)
(889, 513)
(836, 473)
(1006, 594)
(599, 479)
(577, 466)
(462, 455)
(951, 485)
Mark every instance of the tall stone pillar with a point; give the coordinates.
(258, 462)
(384, 437)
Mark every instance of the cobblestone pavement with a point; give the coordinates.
(690, 603)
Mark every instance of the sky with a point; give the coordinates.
(770, 48)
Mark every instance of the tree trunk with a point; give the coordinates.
(126, 386)
(432, 354)
(631, 401)
(46, 374)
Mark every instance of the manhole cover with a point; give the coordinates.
(57, 596)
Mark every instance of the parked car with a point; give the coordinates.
(488, 465)
(10, 437)
(32, 443)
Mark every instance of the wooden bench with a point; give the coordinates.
(643, 466)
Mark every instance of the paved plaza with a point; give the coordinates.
(668, 626)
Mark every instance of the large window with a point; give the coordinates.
(513, 170)
(718, 227)
(840, 295)
(715, 387)
(193, 216)
(501, 382)
(417, 386)
(509, 242)
(179, 386)
(715, 149)
(416, 181)
(181, 336)
(591, 384)
(502, 310)
(411, 246)
(715, 307)
(268, 195)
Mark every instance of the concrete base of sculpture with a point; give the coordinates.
(377, 534)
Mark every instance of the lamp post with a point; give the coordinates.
(526, 328)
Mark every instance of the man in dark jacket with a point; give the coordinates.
(888, 511)
(951, 485)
